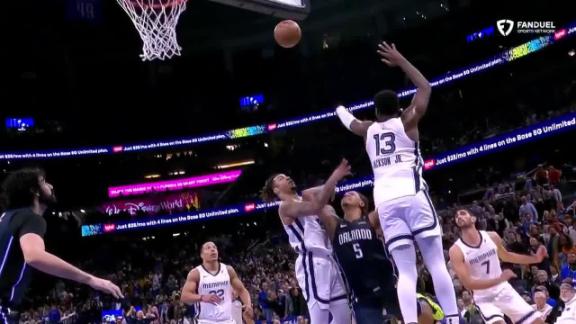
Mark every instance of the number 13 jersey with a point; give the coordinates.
(395, 160)
(483, 263)
(216, 284)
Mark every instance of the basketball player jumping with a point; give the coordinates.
(400, 193)
(22, 229)
(316, 270)
(211, 285)
(370, 274)
(475, 258)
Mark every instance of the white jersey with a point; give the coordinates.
(306, 234)
(395, 160)
(483, 262)
(218, 284)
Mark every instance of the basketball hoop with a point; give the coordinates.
(156, 22)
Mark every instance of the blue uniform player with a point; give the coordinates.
(359, 249)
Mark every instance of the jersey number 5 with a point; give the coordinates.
(487, 263)
(387, 139)
(357, 250)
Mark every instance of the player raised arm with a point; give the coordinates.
(511, 257)
(295, 209)
(463, 272)
(354, 125)
(419, 105)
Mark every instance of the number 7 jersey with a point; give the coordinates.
(395, 160)
(483, 262)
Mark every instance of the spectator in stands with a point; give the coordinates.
(527, 208)
(570, 229)
(54, 315)
(469, 310)
(541, 175)
(263, 301)
(542, 280)
(299, 307)
(569, 269)
(568, 296)
(554, 175)
(565, 247)
(535, 243)
(541, 305)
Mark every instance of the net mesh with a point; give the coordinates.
(156, 22)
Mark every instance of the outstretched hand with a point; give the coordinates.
(389, 54)
(105, 286)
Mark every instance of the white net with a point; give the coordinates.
(156, 22)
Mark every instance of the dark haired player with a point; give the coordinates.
(475, 258)
(370, 274)
(22, 229)
(316, 270)
(400, 193)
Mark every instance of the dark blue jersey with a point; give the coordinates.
(368, 270)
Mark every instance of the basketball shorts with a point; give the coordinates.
(320, 280)
(505, 301)
(404, 218)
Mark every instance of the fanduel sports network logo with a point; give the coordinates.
(505, 26)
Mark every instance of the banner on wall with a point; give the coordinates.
(162, 204)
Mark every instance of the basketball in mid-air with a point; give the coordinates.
(287, 33)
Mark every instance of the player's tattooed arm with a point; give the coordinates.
(329, 218)
(295, 209)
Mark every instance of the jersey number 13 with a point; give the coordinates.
(385, 143)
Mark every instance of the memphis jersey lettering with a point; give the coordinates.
(483, 263)
(215, 284)
(483, 257)
(395, 159)
(354, 235)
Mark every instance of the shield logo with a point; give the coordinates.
(505, 26)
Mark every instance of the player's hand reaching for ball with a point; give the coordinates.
(541, 254)
(105, 286)
(507, 275)
(343, 170)
(389, 54)
(211, 298)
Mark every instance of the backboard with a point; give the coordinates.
(286, 9)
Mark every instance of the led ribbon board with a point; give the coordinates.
(521, 136)
(174, 185)
(502, 58)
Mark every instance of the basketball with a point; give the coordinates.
(287, 33)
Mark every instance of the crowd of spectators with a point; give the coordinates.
(527, 210)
